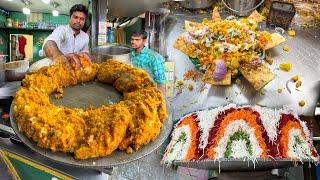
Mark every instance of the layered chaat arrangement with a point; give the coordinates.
(250, 132)
(223, 49)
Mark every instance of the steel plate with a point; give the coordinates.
(238, 164)
(81, 96)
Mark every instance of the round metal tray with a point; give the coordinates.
(82, 96)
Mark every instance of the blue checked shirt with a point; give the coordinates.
(152, 62)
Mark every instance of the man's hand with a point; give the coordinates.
(51, 49)
(72, 60)
(86, 55)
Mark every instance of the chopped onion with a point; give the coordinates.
(220, 70)
(287, 85)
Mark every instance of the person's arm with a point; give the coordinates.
(53, 42)
(51, 49)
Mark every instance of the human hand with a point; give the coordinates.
(72, 60)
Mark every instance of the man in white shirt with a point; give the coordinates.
(67, 41)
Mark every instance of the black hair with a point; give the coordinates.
(79, 7)
(140, 33)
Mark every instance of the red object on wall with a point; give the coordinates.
(22, 44)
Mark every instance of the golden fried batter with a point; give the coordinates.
(105, 129)
(133, 80)
(111, 70)
(49, 79)
(131, 123)
(56, 128)
(124, 77)
(146, 122)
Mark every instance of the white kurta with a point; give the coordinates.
(64, 37)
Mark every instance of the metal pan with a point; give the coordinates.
(238, 164)
(89, 91)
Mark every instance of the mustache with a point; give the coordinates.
(78, 25)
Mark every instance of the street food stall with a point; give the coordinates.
(242, 97)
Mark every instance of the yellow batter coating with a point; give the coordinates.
(148, 115)
(90, 133)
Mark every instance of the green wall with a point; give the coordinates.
(38, 38)
(2, 18)
(3, 40)
(18, 16)
(61, 19)
(38, 34)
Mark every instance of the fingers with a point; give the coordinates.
(75, 61)
(67, 62)
(60, 59)
(87, 56)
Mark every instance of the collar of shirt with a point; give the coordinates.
(72, 31)
(144, 50)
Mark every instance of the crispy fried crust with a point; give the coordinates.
(105, 129)
(131, 123)
(258, 75)
(148, 113)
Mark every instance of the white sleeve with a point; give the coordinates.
(58, 36)
(86, 47)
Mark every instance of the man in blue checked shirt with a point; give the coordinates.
(147, 59)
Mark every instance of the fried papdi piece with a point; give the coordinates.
(216, 15)
(256, 16)
(258, 75)
(275, 40)
(191, 26)
(182, 45)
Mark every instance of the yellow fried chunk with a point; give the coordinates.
(111, 70)
(291, 33)
(275, 40)
(133, 80)
(149, 111)
(106, 127)
(55, 128)
(286, 66)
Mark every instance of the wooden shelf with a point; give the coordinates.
(27, 29)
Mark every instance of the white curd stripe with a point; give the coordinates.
(238, 125)
(270, 119)
(178, 150)
(299, 151)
